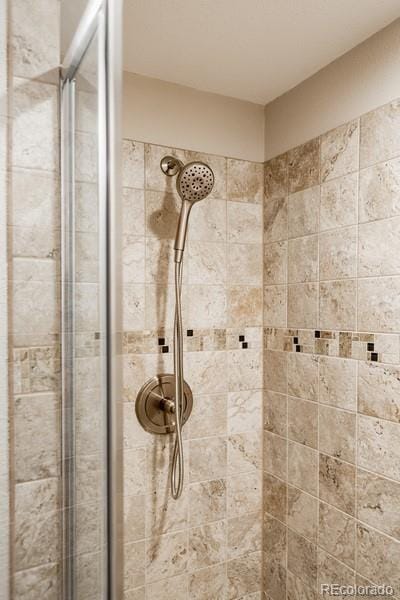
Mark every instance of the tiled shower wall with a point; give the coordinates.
(33, 273)
(208, 543)
(332, 360)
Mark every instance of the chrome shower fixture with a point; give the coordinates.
(195, 182)
(164, 403)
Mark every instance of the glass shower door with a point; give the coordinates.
(88, 165)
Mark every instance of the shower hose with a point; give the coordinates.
(177, 468)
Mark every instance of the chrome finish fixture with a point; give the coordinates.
(170, 166)
(155, 404)
(194, 182)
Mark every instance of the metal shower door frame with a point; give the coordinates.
(104, 18)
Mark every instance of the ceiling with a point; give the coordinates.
(254, 50)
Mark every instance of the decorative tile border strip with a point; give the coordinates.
(377, 347)
(195, 340)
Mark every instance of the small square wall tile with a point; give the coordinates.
(303, 421)
(303, 166)
(207, 545)
(379, 248)
(275, 371)
(275, 305)
(303, 376)
(378, 556)
(338, 382)
(275, 263)
(379, 446)
(274, 497)
(209, 583)
(275, 413)
(337, 483)
(244, 575)
(244, 493)
(337, 304)
(302, 513)
(303, 259)
(275, 219)
(303, 305)
(337, 433)
(377, 502)
(133, 164)
(302, 558)
(339, 151)
(379, 304)
(379, 134)
(379, 191)
(303, 212)
(276, 177)
(333, 572)
(303, 467)
(338, 253)
(245, 181)
(244, 452)
(339, 202)
(336, 534)
(244, 535)
(275, 455)
(245, 223)
(379, 391)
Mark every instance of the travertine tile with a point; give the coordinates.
(275, 263)
(276, 177)
(379, 248)
(41, 582)
(207, 263)
(339, 151)
(337, 304)
(275, 371)
(35, 200)
(337, 483)
(207, 545)
(154, 177)
(244, 452)
(135, 471)
(298, 590)
(275, 455)
(379, 191)
(303, 259)
(134, 565)
(379, 446)
(244, 493)
(378, 557)
(303, 376)
(274, 558)
(244, 370)
(163, 514)
(303, 467)
(379, 391)
(166, 556)
(303, 305)
(302, 558)
(274, 497)
(175, 587)
(245, 181)
(275, 412)
(245, 224)
(207, 501)
(338, 382)
(304, 212)
(208, 417)
(245, 306)
(133, 312)
(379, 138)
(207, 372)
(331, 571)
(27, 295)
(275, 219)
(303, 166)
(244, 535)
(338, 253)
(207, 306)
(134, 528)
(378, 304)
(244, 575)
(275, 305)
(339, 202)
(244, 264)
(207, 459)
(337, 533)
(303, 421)
(337, 433)
(302, 513)
(210, 217)
(209, 583)
(377, 502)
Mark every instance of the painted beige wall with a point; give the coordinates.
(173, 115)
(363, 79)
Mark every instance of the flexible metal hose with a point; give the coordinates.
(177, 468)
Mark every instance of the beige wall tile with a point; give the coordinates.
(379, 248)
(245, 224)
(132, 212)
(377, 502)
(303, 421)
(244, 493)
(331, 571)
(245, 181)
(275, 305)
(298, 590)
(337, 304)
(244, 370)
(379, 191)
(304, 212)
(244, 575)
(303, 376)
(208, 417)
(303, 166)
(275, 455)
(338, 382)
(275, 219)
(274, 497)
(378, 304)
(337, 483)
(208, 459)
(303, 467)
(154, 177)
(275, 263)
(275, 412)
(134, 564)
(337, 433)
(275, 371)
(207, 501)
(378, 557)
(276, 177)
(338, 253)
(209, 583)
(339, 202)
(207, 306)
(207, 264)
(245, 306)
(245, 265)
(379, 134)
(163, 514)
(303, 305)
(302, 513)
(41, 582)
(244, 411)
(303, 259)
(337, 534)
(207, 372)
(244, 452)
(302, 558)
(162, 590)
(209, 221)
(339, 151)
(379, 446)
(207, 545)
(166, 556)
(379, 391)
(244, 535)
(274, 558)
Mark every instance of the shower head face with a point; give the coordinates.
(195, 182)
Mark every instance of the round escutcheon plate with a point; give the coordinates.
(155, 400)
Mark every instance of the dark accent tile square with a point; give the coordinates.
(374, 356)
(161, 341)
(245, 345)
(165, 349)
(370, 346)
(241, 338)
(295, 340)
(317, 334)
(189, 333)
(97, 335)
(298, 348)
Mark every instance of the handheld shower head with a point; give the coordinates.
(195, 182)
